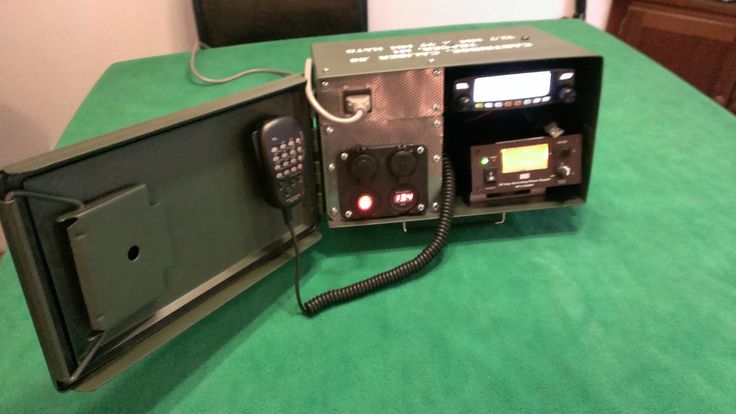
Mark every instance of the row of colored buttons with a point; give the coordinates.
(283, 146)
(286, 154)
(508, 104)
(286, 172)
(286, 163)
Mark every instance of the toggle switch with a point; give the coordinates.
(489, 175)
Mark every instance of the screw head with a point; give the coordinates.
(437, 123)
(420, 207)
(348, 214)
(325, 84)
(435, 206)
(333, 211)
(329, 130)
(331, 167)
(436, 107)
(525, 37)
(344, 156)
(436, 72)
(325, 69)
(430, 60)
(436, 158)
(420, 150)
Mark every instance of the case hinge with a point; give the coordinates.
(316, 155)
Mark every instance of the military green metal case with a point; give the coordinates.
(123, 241)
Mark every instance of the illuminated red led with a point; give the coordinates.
(365, 202)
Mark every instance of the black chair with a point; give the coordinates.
(229, 22)
(580, 6)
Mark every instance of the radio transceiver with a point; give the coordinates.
(156, 225)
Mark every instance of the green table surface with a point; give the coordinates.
(625, 304)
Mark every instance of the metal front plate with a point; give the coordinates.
(406, 109)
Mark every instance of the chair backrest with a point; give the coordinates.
(228, 22)
(580, 6)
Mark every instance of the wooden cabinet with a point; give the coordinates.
(696, 39)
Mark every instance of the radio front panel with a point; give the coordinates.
(514, 90)
(524, 167)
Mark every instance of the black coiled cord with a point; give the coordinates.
(404, 270)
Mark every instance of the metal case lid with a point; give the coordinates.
(463, 48)
(123, 241)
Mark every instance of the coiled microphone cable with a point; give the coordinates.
(400, 272)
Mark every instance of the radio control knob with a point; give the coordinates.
(567, 95)
(563, 171)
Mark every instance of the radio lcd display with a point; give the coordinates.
(528, 158)
(513, 86)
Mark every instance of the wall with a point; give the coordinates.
(53, 51)
(394, 14)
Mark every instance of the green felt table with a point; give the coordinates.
(625, 304)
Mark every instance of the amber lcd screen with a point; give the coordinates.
(528, 158)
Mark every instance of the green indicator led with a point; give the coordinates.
(484, 161)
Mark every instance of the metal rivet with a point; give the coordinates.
(430, 60)
(420, 207)
(344, 156)
(435, 206)
(331, 167)
(325, 84)
(325, 69)
(333, 211)
(436, 158)
(348, 214)
(420, 150)
(437, 123)
(436, 107)
(329, 130)
(436, 72)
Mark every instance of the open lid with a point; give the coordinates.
(123, 241)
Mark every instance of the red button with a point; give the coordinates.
(365, 202)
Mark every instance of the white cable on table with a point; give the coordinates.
(193, 68)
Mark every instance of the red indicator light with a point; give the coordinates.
(365, 202)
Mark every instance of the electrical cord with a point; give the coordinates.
(297, 267)
(216, 81)
(316, 105)
(307, 89)
(382, 280)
